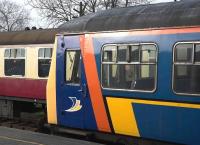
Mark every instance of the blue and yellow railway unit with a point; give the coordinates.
(130, 71)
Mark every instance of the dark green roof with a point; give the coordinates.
(40, 36)
(183, 13)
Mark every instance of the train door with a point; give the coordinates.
(73, 101)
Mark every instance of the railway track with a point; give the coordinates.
(21, 124)
(26, 121)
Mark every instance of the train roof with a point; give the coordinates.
(40, 36)
(172, 14)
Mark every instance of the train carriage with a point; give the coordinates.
(130, 71)
(25, 58)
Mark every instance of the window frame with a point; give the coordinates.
(131, 63)
(184, 64)
(25, 59)
(45, 58)
(44, 53)
(65, 63)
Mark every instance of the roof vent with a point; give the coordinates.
(27, 28)
(34, 28)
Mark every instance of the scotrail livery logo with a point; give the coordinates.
(76, 106)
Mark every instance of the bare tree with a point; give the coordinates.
(93, 5)
(136, 2)
(109, 4)
(59, 11)
(54, 11)
(80, 7)
(106, 4)
(12, 16)
(114, 3)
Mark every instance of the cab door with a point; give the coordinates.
(74, 107)
(70, 90)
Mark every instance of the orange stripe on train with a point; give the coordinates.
(93, 83)
(150, 31)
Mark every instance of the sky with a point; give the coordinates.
(37, 21)
(160, 1)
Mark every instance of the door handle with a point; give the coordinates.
(83, 90)
(80, 90)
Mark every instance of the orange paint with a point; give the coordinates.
(96, 96)
(161, 31)
(168, 31)
(88, 55)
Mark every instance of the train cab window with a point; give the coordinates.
(186, 65)
(14, 62)
(134, 69)
(73, 66)
(44, 61)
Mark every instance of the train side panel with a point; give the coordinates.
(29, 86)
(158, 114)
(23, 88)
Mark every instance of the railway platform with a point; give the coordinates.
(11, 136)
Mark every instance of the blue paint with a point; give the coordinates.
(174, 124)
(156, 122)
(84, 118)
(165, 45)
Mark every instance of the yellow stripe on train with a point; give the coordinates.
(51, 90)
(123, 116)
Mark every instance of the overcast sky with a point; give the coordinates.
(39, 22)
(160, 1)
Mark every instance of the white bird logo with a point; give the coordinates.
(76, 106)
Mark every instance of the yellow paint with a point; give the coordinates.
(31, 67)
(122, 116)
(122, 113)
(170, 104)
(1, 62)
(51, 89)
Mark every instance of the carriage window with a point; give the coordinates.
(73, 66)
(186, 68)
(148, 53)
(44, 61)
(122, 53)
(20, 53)
(197, 53)
(134, 73)
(135, 53)
(183, 53)
(14, 62)
(41, 52)
(48, 53)
(110, 54)
(7, 53)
